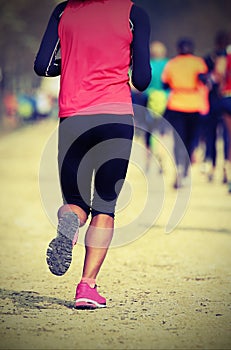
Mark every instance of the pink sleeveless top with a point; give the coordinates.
(95, 40)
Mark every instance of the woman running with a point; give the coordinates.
(99, 42)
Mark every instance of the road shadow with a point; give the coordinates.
(33, 300)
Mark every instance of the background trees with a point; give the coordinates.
(198, 19)
(22, 23)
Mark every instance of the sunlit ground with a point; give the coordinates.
(163, 290)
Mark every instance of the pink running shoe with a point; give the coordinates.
(88, 298)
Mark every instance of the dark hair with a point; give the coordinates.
(221, 39)
(185, 46)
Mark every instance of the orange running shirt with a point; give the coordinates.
(181, 74)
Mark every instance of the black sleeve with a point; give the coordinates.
(165, 86)
(141, 69)
(45, 63)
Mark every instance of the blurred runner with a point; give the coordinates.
(213, 125)
(185, 103)
(10, 104)
(26, 107)
(43, 103)
(144, 121)
(157, 100)
(222, 74)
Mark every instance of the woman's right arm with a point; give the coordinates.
(46, 64)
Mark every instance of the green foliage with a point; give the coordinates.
(22, 23)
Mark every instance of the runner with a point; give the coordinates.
(181, 75)
(157, 99)
(222, 74)
(99, 40)
(213, 124)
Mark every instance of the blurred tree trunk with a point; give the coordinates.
(22, 23)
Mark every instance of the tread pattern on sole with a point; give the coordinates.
(59, 252)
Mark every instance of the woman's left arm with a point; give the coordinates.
(141, 69)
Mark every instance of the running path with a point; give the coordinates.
(163, 290)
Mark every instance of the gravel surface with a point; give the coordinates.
(164, 290)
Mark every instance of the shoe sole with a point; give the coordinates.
(59, 252)
(88, 304)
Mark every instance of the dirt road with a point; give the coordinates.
(164, 291)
